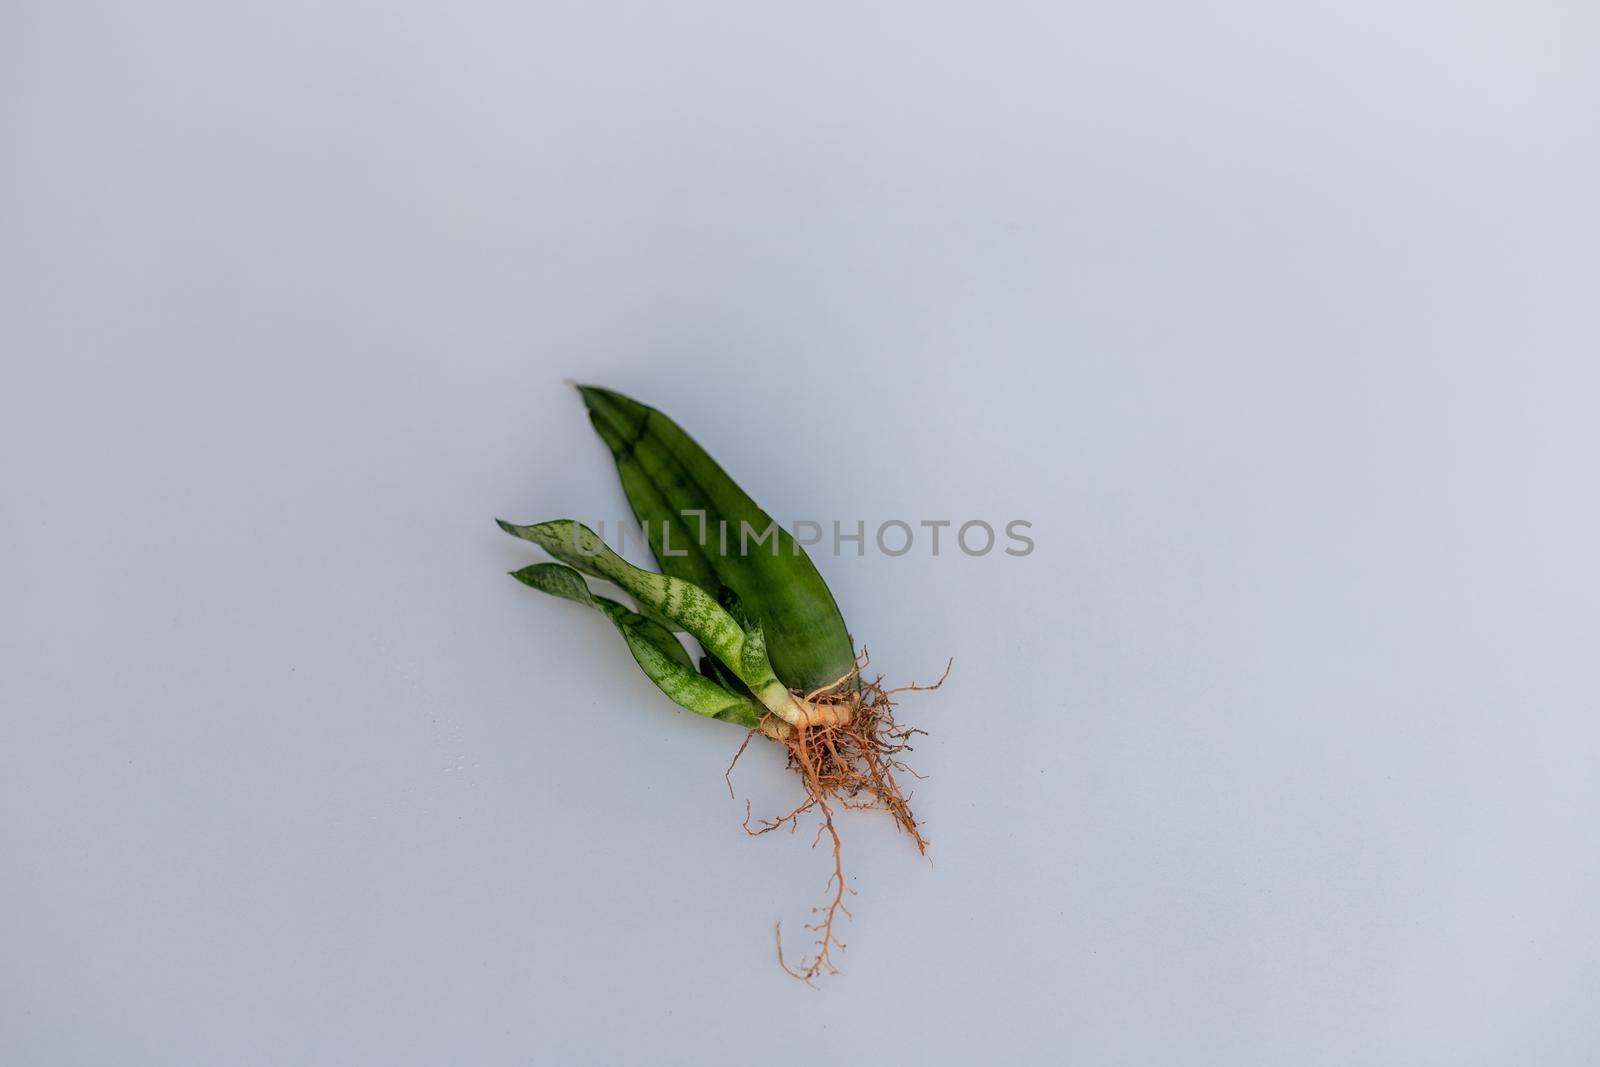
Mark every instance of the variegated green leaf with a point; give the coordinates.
(683, 603)
(663, 659)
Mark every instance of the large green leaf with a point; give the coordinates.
(668, 478)
(657, 652)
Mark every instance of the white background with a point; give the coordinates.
(1276, 320)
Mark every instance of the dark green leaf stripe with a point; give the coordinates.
(665, 473)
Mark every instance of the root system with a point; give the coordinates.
(850, 764)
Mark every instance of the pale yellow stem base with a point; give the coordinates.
(798, 711)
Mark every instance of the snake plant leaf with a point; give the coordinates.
(662, 658)
(558, 579)
(686, 604)
(668, 479)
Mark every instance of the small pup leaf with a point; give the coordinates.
(682, 603)
(662, 658)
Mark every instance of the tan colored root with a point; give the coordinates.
(849, 763)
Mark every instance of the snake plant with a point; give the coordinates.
(778, 658)
(788, 638)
